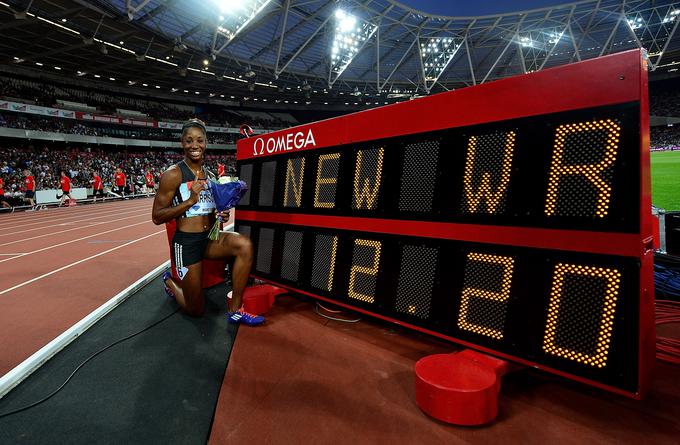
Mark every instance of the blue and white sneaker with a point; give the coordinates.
(168, 276)
(241, 316)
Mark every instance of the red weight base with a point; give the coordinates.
(259, 299)
(460, 388)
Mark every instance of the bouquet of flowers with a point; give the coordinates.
(226, 194)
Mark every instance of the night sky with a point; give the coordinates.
(473, 8)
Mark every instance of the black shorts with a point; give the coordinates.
(30, 194)
(187, 249)
(96, 193)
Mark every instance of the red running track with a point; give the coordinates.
(59, 265)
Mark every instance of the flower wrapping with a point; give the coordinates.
(226, 196)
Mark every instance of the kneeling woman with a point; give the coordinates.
(183, 196)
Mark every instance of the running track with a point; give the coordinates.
(59, 265)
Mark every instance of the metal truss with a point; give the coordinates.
(289, 42)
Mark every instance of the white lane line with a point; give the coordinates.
(11, 254)
(71, 230)
(65, 222)
(32, 280)
(20, 372)
(42, 218)
(20, 255)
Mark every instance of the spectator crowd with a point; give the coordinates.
(47, 95)
(45, 164)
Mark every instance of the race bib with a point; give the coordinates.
(205, 204)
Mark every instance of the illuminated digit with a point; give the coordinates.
(366, 192)
(485, 191)
(480, 269)
(563, 337)
(294, 183)
(322, 271)
(326, 181)
(560, 169)
(371, 271)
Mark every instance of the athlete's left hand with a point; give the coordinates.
(224, 215)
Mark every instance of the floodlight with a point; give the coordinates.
(351, 34)
(236, 15)
(435, 55)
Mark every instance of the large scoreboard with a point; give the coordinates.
(512, 217)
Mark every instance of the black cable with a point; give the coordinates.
(44, 399)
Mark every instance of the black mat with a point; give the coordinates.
(158, 387)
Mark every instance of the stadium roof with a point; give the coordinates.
(313, 50)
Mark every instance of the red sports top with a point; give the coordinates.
(220, 169)
(2, 187)
(30, 183)
(97, 184)
(149, 179)
(65, 184)
(120, 179)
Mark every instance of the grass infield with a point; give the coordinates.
(666, 179)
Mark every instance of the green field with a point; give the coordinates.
(666, 180)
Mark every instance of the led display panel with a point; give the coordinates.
(510, 217)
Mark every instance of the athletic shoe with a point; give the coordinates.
(241, 316)
(167, 276)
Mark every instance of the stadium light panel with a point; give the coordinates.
(635, 23)
(236, 15)
(672, 15)
(435, 55)
(230, 6)
(555, 37)
(351, 34)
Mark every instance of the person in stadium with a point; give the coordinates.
(119, 179)
(220, 169)
(29, 185)
(150, 182)
(183, 196)
(65, 185)
(97, 186)
(3, 201)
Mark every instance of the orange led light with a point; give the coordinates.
(294, 181)
(469, 293)
(598, 359)
(366, 192)
(325, 181)
(485, 191)
(592, 172)
(373, 270)
(332, 266)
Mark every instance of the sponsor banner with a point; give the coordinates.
(170, 125)
(68, 114)
(35, 109)
(115, 120)
(209, 129)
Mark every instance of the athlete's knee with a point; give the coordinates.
(244, 247)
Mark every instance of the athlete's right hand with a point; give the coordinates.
(196, 186)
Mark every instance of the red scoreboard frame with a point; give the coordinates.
(512, 217)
